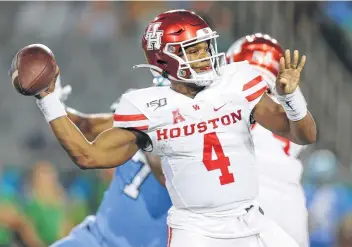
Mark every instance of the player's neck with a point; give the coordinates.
(190, 90)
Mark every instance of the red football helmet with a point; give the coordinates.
(261, 51)
(165, 40)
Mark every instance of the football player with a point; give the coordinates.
(280, 192)
(200, 127)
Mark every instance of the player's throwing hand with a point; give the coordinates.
(289, 74)
(51, 88)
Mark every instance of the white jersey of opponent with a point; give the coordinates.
(205, 143)
(277, 156)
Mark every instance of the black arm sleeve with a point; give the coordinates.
(143, 140)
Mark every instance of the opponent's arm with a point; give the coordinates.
(290, 118)
(155, 165)
(91, 125)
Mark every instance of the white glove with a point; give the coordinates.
(116, 103)
(62, 92)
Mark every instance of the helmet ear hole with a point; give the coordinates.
(162, 62)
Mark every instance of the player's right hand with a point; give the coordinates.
(51, 88)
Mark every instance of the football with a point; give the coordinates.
(33, 69)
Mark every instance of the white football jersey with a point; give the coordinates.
(205, 143)
(276, 156)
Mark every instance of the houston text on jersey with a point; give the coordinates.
(187, 130)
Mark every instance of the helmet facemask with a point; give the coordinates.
(185, 72)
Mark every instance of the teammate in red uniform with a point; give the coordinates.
(280, 191)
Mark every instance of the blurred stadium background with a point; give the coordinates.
(97, 43)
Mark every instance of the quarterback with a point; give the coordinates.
(200, 128)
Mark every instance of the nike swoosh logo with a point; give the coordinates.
(289, 105)
(216, 109)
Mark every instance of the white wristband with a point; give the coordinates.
(294, 105)
(51, 107)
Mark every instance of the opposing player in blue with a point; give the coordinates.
(134, 208)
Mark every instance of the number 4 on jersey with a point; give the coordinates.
(211, 141)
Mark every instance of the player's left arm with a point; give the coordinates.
(291, 118)
(272, 116)
(91, 125)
